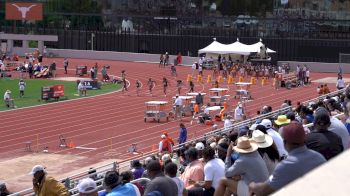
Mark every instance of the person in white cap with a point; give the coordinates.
(277, 138)
(239, 112)
(44, 185)
(8, 99)
(165, 145)
(87, 187)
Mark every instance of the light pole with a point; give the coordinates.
(92, 41)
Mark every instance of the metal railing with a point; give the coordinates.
(123, 165)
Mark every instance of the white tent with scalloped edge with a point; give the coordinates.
(256, 47)
(214, 48)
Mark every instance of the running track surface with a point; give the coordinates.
(110, 123)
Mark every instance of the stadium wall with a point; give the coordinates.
(106, 55)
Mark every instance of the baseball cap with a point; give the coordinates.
(200, 146)
(266, 123)
(87, 185)
(293, 133)
(37, 168)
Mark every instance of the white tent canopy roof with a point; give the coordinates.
(234, 48)
(256, 47)
(215, 48)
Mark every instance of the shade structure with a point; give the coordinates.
(256, 48)
(214, 48)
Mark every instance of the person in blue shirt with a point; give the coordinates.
(183, 134)
(115, 186)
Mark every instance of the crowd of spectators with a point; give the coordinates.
(261, 158)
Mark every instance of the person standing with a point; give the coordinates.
(95, 71)
(165, 85)
(179, 85)
(8, 99)
(178, 107)
(191, 87)
(30, 70)
(92, 73)
(183, 134)
(44, 185)
(65, 64)
(138, 87)
(340, 83)
(151, 84)
(161, 59)
(199, 99)
(53, 69)
(22, 86)
(239, 113)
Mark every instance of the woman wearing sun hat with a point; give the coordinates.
(266, 149)
(248, 168)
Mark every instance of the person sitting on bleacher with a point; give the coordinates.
(114, 185)
(326, 89)
(87, 187)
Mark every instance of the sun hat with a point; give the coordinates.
(37, 168)
(266, 123)
(253, 127)
(293, 133)
(261, 139)
(282, 119)
(87, 185)
(245, 146)
(199, 146)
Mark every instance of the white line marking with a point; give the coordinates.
(85, 148)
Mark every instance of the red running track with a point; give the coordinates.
(110, 123)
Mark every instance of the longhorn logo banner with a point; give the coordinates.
(24, 11)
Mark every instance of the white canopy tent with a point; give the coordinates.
(256, 47)
(214, 48)
(237, 48)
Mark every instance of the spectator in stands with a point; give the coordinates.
(3, 189)
(338, 128)
(87, 187)
(137, 169)
(266, 149)
(159, 182)
(200, 147)
(249, 167)
(194, 170)
(182, 134)
(128, 176)
(299, 161)
(44, 185)
(222, 150)
(306, 115)
(8, 99)
(281, 121)
(171, 171)
(214, 170)
(321, 140)
(165, 145)
(277, 139)
(114, 185)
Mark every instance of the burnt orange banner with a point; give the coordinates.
(24, 11)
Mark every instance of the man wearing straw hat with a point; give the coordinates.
(250, 167)
(300, 161)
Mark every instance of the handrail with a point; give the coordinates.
(116, 165)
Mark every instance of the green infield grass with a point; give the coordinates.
(32, 93)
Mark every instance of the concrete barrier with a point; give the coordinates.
(107, 55)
